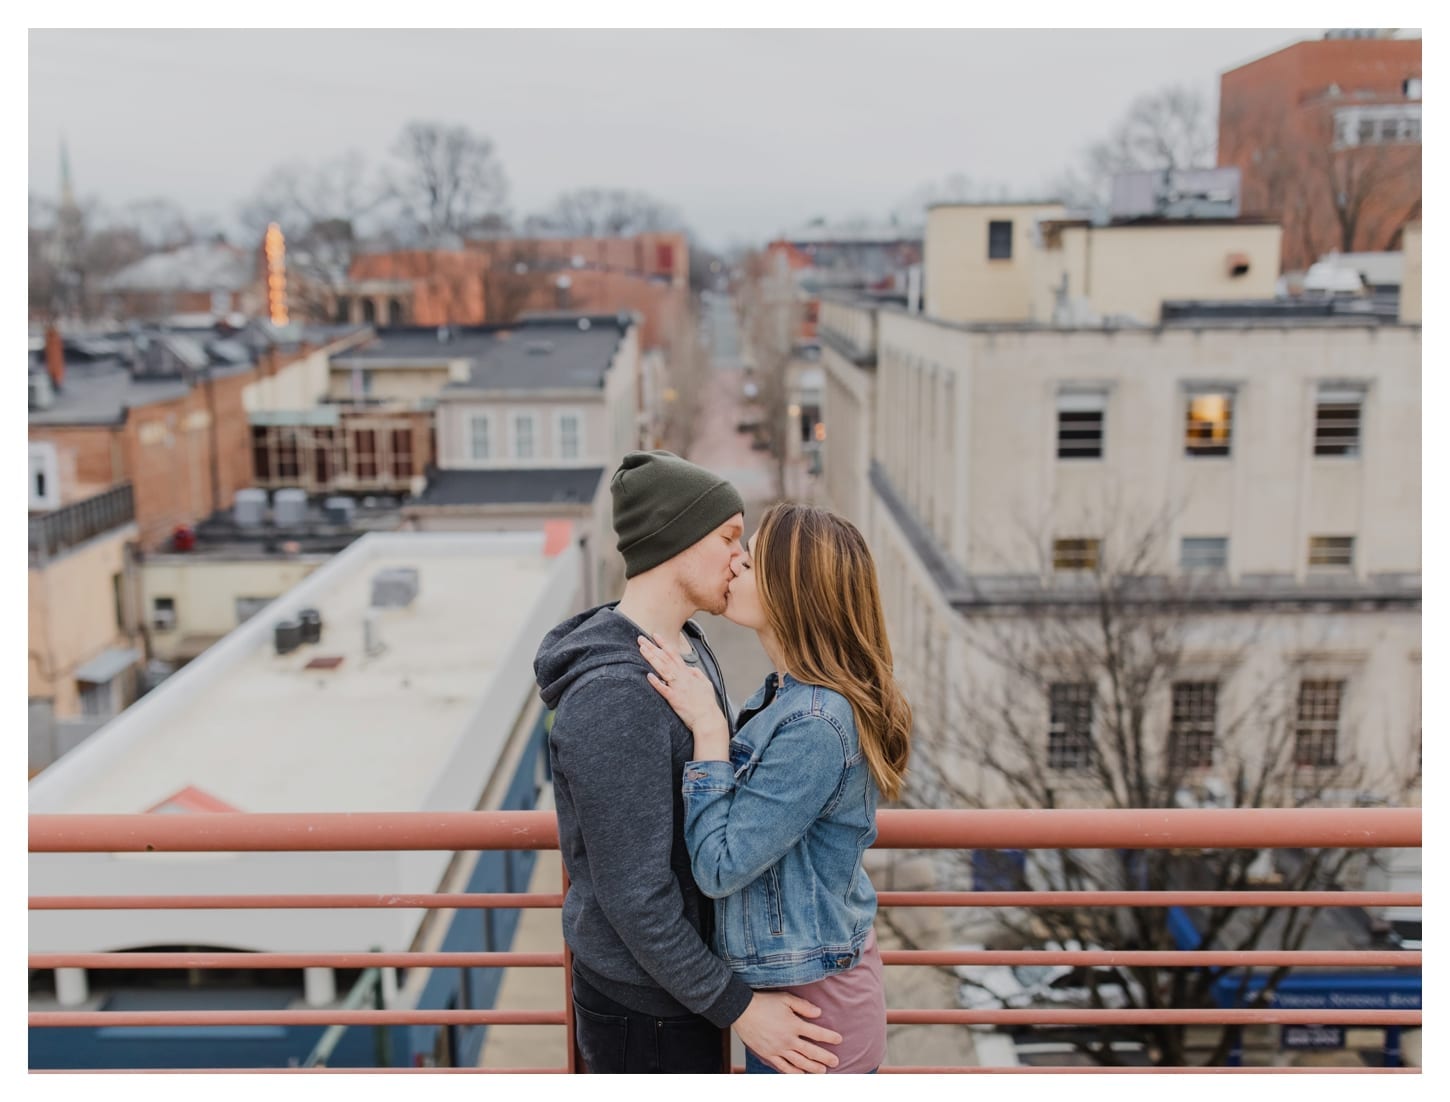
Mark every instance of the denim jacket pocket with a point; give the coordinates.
(771, 884)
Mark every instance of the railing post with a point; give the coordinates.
(1392, 1055)
(572, 1063)
(382, 1056)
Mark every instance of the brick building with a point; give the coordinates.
(1327, 136)
(174, 425)
(496, 280)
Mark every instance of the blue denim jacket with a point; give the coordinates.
(776, 837)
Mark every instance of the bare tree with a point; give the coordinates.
(1131, 689)
(605, 212)
(772, 314)
(1172, 128)
(320, 210)
(159, 224)
(516, 275)
(448, 181)
(72, 249)
(1331, 194)
(688, 361)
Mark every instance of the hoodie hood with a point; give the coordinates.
(586, 642)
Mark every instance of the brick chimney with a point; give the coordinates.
(54, 357)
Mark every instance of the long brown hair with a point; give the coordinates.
(817, 585)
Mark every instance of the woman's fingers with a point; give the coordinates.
(818, 1055)
(658, 683)
(800, 1064)
(820, 1033)
(802, 1007)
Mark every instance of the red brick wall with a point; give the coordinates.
(172, 474)
(90, 458)
(1276, 126)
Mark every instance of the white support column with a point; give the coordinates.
(390, 988)
(71, 988)
(319, 986)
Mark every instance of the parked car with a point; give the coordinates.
(1030, 986)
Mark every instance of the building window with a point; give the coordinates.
(365, 449)
(118, 595)
(481, 445)
(999, 240)
(44, 483)
(523, 436)
(1331, 552)
(163, 613)
(1336, 420)
(1191, 728)
(402, 442)
(1203, 553)
(1070, 726)
(1080, 424)
(1378, 124)
(568, 436)
(1316, 732)
(1075, 554)
(261, 454)
(97, 699)
(287, 459)
(1210, 422)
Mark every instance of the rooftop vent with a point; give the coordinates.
(289, 508)
(249, 507)
(584, 324)
(287, 635)
(311, 621)
(395, 587)
(339, 510)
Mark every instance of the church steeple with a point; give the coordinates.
(67, 193)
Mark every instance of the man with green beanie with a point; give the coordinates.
(649, 995)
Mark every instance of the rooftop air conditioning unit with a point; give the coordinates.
(289, 508)
(249, 507)
(339, 510)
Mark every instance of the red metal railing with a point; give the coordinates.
(1050, 829)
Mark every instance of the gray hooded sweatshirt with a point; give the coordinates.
(634, 918)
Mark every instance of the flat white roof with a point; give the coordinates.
(257, 731)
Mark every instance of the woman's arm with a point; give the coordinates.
(734, 830)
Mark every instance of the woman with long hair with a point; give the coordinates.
(779, 817)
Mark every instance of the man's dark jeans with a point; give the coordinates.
(614, 1039)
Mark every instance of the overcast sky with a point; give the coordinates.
(747, 132)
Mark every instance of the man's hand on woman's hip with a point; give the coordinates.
(774, 1027)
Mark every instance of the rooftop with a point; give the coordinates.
(258, 731)
(99, 392)
(542, 486)
(107, 374)
(204, 266)
(572, 352)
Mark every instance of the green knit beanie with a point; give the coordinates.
(663, 504)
